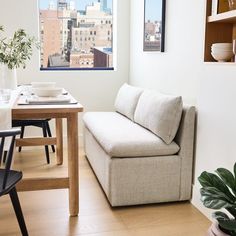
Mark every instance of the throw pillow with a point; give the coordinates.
(159, 113)
(127, 99)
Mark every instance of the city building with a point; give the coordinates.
(78, 32)
(103, 57)
(51, 35)
(81, 60)
(103, 5)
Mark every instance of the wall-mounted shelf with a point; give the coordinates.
(226, 17)
(220, 28)
(215, 63)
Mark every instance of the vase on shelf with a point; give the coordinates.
(8, 78)
(232, 4)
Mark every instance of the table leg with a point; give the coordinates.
(59, 145)
(73, 165)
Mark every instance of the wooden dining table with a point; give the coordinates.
(59, 112)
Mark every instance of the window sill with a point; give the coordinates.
(76, 69)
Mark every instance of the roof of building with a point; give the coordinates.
(104, 49)
(57, 60)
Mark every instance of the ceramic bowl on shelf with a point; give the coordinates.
(43, 84)
(216, 50)
(222, 56)
(222, 45)
(222, 52)
(47, 92)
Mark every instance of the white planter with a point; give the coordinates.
(214, 230)
(8, 78)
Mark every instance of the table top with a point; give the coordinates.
(44, 111)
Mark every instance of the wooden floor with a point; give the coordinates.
(46, 212)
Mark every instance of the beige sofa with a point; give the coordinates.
(132, 163)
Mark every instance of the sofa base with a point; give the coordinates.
(133, 181)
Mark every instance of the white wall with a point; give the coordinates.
(181, 70)
(96, 90)
(171, 70)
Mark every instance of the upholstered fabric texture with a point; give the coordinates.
(159, 113)
(141, 180)
(120, 137)
(185, 139)
(132, 181)
(127, 99)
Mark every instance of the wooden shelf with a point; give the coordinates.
(226, 17)
(220, 28)
(220, 63)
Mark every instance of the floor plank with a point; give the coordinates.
(46, 212)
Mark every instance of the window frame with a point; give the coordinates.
(114, 52)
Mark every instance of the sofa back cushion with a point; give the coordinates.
(127, 100)
(159, 113)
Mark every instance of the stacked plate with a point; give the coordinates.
(222, 51)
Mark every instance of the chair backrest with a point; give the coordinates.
(10, 134)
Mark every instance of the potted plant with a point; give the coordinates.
(14, 52)
(219, 191)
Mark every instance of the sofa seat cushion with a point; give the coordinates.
(120, 137)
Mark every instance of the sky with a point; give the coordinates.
(153, 10)
(80, 4)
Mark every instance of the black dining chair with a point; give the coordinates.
(41, 123)
(9, 178)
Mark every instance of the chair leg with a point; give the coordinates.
(50, 135)
(1, 149)
(4, 156)
(21, 136)
(17, 208)
(46, 146)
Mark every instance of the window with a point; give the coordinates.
(74, 18)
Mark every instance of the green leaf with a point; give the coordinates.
(16, 51)
(235, 171)
(214, 199)
(227, 177)
(232, 211)
(218, 215)
(228, 224)
(207, 179)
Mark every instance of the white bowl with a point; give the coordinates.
(216, 50)
(47, 92)
(222, 56)
(222, 48)
(222, 45)
(43, 84)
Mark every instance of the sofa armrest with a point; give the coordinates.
(185, 139)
